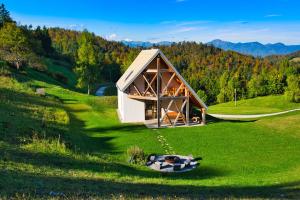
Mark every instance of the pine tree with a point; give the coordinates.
(4, 16)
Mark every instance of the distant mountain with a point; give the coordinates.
(249, 48)
(145, 44)
(256, 48)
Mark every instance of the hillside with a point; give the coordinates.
(279, 58)
(256, 48)
(71, 145)
(213, 73)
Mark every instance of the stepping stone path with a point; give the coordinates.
(165, 145)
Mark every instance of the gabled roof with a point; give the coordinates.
(137, 66)
(144, 58)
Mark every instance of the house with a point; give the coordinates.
(152, 90)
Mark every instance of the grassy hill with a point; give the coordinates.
(259, 105)
(70, 145)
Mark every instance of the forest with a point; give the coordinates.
(214, 74)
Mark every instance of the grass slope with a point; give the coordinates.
(60, 67)
(259, 105)
(70, 145)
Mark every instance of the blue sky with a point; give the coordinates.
(266, 21)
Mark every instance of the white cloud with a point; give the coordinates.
(195, 22)
(77, 27)
(273, 15)
(184, 29)
(128, 39)
(112, 36)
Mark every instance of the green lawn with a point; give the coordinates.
(259, 105)
(71, 145)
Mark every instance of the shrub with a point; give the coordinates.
(44, 145)
(60, 77)
(4, 69)
(36, 63)
(136, 155)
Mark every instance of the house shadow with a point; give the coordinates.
(128, 128)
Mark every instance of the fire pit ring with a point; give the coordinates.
(172, 163)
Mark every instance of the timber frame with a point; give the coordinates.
(160, 83)
(157, 94)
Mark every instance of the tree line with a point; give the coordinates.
(213, 73)
(216, 74)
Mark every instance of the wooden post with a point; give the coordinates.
(203, 112)
(158, 92)
(187, 108)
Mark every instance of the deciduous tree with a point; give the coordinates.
(14, 45)
(87, 65)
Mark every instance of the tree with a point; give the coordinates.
(292, 92)
(42, 35)
(258, 85)
(14, 45)
(128, 60)
(222, 96)
(4, 15)
(202, 95)
(275, 82)
(87, 65)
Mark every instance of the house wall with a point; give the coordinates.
(130, 110)
(120, 104)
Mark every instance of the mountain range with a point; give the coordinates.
(249, 48)
(256, 48)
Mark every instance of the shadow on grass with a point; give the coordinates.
(39, 186)
(68, 162)
(30, 74)
(21, 98)
(128, 128)
(22, 116)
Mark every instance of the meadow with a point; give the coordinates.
(258, 105)
(71, 145)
